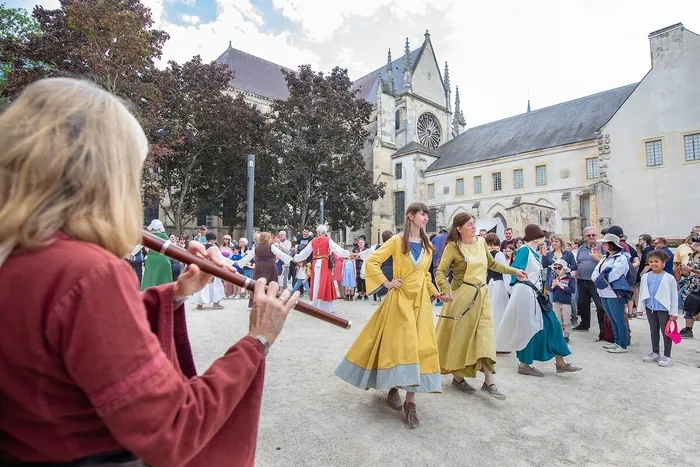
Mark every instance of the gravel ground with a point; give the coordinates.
(617, 412)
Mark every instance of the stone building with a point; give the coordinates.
(627, 156)
(412, 116)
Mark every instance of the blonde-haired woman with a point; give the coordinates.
(71, 157)
(265, 255)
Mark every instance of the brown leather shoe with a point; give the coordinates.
(409, 409)
(394, 399)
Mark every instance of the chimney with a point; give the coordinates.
(666, 46)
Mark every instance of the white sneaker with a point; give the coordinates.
(617, 350)
(651, 357)
(665, 362)
(609, 345)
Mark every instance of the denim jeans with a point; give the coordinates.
(616, 308)
(303, 285)
(574, 306)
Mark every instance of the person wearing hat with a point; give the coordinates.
(613, 268)
(533, 332)
(562, 288)
(201, 237)
(158, 269)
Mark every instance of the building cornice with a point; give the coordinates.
(468, 201)
(591, 143)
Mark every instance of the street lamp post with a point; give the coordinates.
(251, 197)
(322, 214)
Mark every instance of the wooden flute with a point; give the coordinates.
(167, 248)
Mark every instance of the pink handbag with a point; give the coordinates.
(672, 332)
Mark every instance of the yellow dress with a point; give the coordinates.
(467, 344)
(397, 347)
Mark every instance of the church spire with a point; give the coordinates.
(447, 78)
(528, 106)
(390, 71)
(407, 87)
(458, 119)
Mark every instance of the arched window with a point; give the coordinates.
(502, 219)
(428, 130)
(397, 122)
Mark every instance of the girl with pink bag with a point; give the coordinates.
(658, 295)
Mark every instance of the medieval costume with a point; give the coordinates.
(498, 290)
(535, 334)
(158, 269)
(265, 256)
(87, 342)
(397, 347)
(323, 292)
(465, 330)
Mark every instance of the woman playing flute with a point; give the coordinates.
(92, 371)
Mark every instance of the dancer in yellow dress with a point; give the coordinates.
(465, 330)
(397, 347)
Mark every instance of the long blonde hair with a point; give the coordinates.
(71, 157)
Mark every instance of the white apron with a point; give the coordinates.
(522, 317)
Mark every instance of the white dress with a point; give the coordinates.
(499, 294)
(522, 317)
(211, 293)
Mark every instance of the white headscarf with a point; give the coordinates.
(156, 225)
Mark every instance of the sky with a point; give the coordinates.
(500, 53)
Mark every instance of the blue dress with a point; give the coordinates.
(348, 274)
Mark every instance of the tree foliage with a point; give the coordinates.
(201, 137)
(109, 42)
(319, 134)
(16, 28)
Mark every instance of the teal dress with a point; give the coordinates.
(158, 268)
(549, 341)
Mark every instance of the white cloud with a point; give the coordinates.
(190, 19)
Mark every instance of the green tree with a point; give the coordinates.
(107, 41)
(16, 28)
(201, 137)
(319, 134)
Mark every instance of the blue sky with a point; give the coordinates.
(500, 53)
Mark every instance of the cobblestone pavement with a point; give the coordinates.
(617, 412)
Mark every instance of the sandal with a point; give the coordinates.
(409, 409)
(529, 371)
(218, 307)
(463, 386)
(568, 368)
(493, 391)
(394, 399)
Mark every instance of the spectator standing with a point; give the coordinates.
(589, 254)
(509, 239)
(661, 244)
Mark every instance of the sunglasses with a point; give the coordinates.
(590, 235)
(558, 268)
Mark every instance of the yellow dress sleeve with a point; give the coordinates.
(429, 280)
(495, 266)
(374, 277)
(443, 270)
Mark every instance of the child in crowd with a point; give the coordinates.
(349, 281)
(302, 278)
(562, 287)
(236, 256)
(658, 296)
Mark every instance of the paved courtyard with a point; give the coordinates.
(617, 412)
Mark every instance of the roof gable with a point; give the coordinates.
(566, 123)
(368, 84)
(254, 74)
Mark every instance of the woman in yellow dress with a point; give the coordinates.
(465, 330)
(397, 347)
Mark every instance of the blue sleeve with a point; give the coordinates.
(570, 286)
(570, 260)
(547, 260)
(519, 262)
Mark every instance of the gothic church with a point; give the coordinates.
(412, 116)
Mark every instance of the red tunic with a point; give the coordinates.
(321, 250)
(88, 365)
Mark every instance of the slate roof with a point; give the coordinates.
(413, 146)
(368, 84)
(566, 123)
(254, 74)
